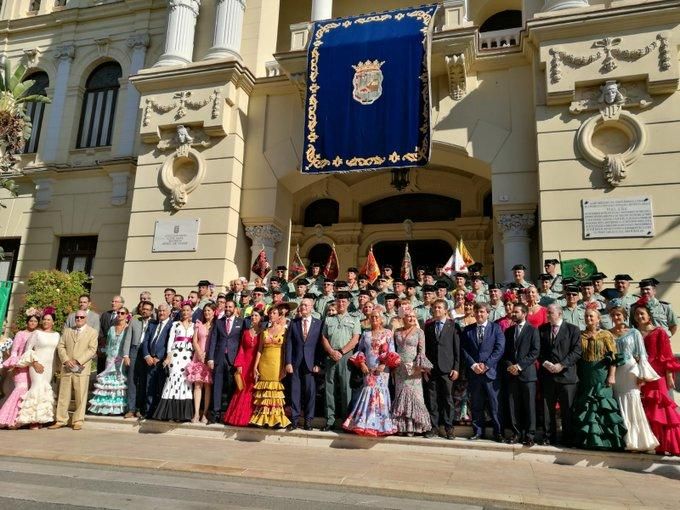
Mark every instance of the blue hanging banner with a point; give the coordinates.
(368, 92)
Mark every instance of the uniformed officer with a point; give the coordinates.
(340, 336)
(571, 311)
(598, 284)
(315, 280)
(481, 295)
(387, 274)
(460, 282)
(518, 272)
(589, 299)
(661, 311)
(325, 297)
(556, 283)
(301, 287)
(352, 284)
(390, 308)
(442, 289)
(496, 303)
(476, 270)
(439, 275)
(625, 299)
(411, 293)
(280, 273)
(399, 288)
(546, 294)
(424, 311)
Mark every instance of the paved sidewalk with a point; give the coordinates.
(430, 473)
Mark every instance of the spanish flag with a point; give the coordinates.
(371, 267)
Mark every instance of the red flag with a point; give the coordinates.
(406, 265)
(261, 265)
(332, 269)
(297, 267)
(370, 267)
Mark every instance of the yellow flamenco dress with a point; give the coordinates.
(268, 398)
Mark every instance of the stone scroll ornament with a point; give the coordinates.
(184, 170)
(611, 101)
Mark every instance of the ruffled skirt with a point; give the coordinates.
(662, 414)
(240, 409)
(110, 394)
(597, 422)
(38, 405)
(409, 412)
(10, 409)
(371, 413)
(268, 402)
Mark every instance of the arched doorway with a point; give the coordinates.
(424, 252)
(319, 253)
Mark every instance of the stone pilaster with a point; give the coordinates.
(516, 240)
(138, 44)
(179, 35)
(64, 55)
(228, 29)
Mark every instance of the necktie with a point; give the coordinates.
(305, 328)
(555, 329)
(157, 333)
(518, 330)
(480, 334)
(228, 325)
(438, 327)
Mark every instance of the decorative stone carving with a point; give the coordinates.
(31, 55)
(455, 65)
(184, 170)
(43, 193)
(119, 191)
(65, 52)
(103, 46)
(408, 228)
(611, 100)
(264, 235)
(516, 223)
(183, 103)
(138, 40)
(609, 49)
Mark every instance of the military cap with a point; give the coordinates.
(439, 284)
(203, 283)
(397, 280)
(493, 286)
(513, 286)
(343, 294)
(649, 282)
(328, 280)
(362, 276)
(569, 280)
(460, 275)
(382, 278)
(387, 266)
(309, 295)
(519, 266)
(544, 277)
(352, 270)
(261, 290)
(586, 283)
(421, 268)
(571, 288)
(315, 264)
(278, 291)
(623, 278)
(275, 279)
(302, 281)
(598, 276)
(411, 283)
(281, 268)
(476, 267)
(476, 277)
(550, 262)
(340, 283)
(391, 296)
(609, 294)
(429, 288)
(246, 293)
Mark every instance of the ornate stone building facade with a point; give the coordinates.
(193, 109)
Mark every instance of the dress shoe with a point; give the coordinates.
(450, 435)
(308, 426)
(544, 442)
(327, 428)
(77, 426)
(129, 415)
(476, 437)
(292, 426)
(514, 439)
(430, 434)
(56, 426)
(499, 438)
(529, 442)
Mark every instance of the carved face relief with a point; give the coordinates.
(609, 92)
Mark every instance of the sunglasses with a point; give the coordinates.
(80, 316)
(122, 313)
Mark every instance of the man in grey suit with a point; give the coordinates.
(133, 362)
(92, 319)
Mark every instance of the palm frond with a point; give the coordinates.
(34, 98)
(17, 75)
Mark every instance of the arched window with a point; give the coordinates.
(414, 206)
(487, 205)
(319, 253)
(502, 21)
(99, 106)
(325, 211)
(36, 111)
(501, 30)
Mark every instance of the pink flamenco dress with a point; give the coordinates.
(240, 408)
(197, 371)
(10, 409)
(662, 412)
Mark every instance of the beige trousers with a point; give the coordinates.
(78, 384)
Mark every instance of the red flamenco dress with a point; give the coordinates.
(661, 410)
(240, 407)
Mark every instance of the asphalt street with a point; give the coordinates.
(32, 484)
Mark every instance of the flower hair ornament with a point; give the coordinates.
(33, 311)
(186, 302)
(404, 310)
(509, 295)
(49, 310)
(643, 301)
(469, 297)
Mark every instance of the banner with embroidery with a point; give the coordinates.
(368, 92)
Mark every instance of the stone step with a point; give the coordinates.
(637, 462)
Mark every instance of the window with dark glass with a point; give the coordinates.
(34, 6)
(77, 254)
(36, 111)
(319, 253)
(325, 211)
(413, 206)
(99, 106)
(9, 252)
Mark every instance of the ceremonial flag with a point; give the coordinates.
(459, 260)
(5, 291)
(261, 265)
(581, 269)
(297, 267)
(332, 268)
(407, 265)
(368, 92)
(371, 267)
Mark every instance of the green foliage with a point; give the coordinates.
(56, 289)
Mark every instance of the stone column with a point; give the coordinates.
(263, 235)
(228, 29)
(558, 5)
(179, 35)
(516, 241)
(322, 9)
(64, 54)
(138, 44)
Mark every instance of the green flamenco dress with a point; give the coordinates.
(597, 421)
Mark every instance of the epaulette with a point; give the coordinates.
(664, 303)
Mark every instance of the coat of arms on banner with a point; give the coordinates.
(367, 81)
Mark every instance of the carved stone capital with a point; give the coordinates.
(455, 65)
(192, 5)
(515, 223)
(138, 41)
(267, 235)
(31, 55)
(65, 52)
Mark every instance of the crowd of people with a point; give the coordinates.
(588, 366)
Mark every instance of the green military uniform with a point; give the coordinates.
(321, 302)
(481, 296)
(296, 299)
(496, 312)
(575, 316)
(338, 329)
(662, 314)
(556, 284)
(423, 313)
(548, 298)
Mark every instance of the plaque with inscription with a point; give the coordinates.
(618, 217)
(175, 235)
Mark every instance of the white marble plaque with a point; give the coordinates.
(175, 235)
(618, 217)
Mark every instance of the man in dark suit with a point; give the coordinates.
(154, 349)
(482, 348)
(442, 348)
(560, 350)
(522, 345)
(303, 358)
(224, 341)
